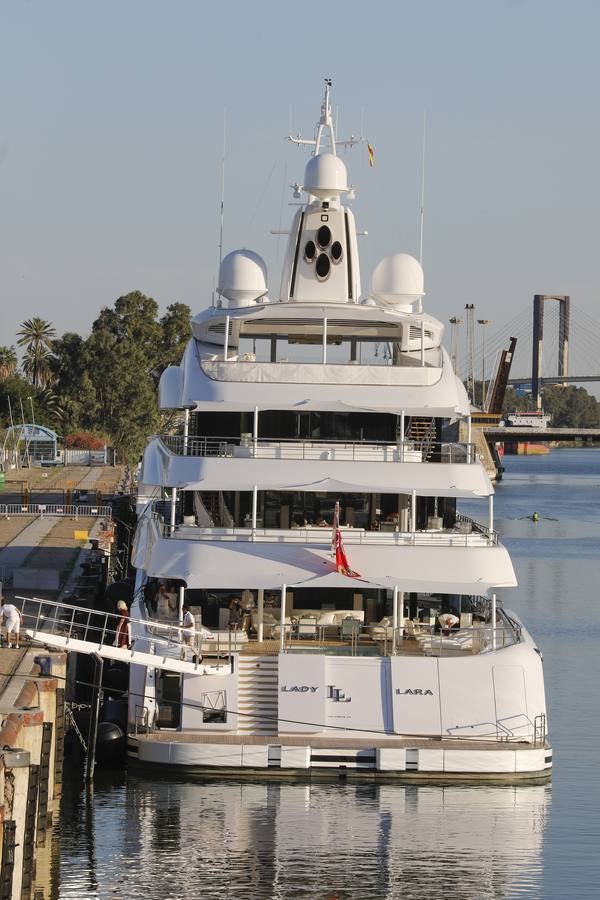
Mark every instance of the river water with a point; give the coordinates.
(141, 837)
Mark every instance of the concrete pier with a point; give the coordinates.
(32, 741)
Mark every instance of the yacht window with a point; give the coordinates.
(336, 251)
(214, 706)
(324, 236)
(323, 265)
(366, 343)
(309, 251)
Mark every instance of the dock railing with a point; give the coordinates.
(74, 511)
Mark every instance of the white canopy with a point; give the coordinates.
(238, 565)
(159, 467)
(231, 386)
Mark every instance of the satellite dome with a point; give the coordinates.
(325, 176)
(397, 280)
(242, 277)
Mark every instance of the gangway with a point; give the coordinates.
(78, 629)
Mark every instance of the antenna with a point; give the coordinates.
(422, 213)
(222, 186)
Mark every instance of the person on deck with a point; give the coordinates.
(235, 614)
(448, 621)
(123, 632)
(12, 619)
(187, 632)
(248, 607)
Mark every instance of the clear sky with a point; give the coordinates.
(111, 130)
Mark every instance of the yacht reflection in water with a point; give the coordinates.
(169, 839)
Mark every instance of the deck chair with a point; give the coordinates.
(350, 628)
(307, 627)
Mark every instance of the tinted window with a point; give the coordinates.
(323, 236)
(323, 265)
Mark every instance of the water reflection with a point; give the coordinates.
(171, 839)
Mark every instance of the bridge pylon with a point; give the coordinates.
(564, 310)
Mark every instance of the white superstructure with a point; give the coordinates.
(323, 447)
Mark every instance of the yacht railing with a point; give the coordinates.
(99, 628)
(434, 538)
(291, 448)
(477, 527)
(352, 638)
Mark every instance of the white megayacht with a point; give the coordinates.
(323, 448)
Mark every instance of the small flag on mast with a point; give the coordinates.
(371, 153)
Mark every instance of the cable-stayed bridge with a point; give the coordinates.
(557, 343)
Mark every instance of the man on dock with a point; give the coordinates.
(12, 619)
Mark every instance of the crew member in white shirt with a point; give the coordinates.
(187, 632)
(12, 619)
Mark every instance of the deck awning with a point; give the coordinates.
(237, 565)
(218, 386)
(159, 467)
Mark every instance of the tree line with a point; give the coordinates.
(569, 406)
(105, 384)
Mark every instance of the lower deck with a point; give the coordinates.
(321, 756)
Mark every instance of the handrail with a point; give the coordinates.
(474, 639)
(453, 452)
(478, 527)
(316, 535)
(98, 627)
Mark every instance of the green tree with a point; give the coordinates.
(176, 332)
(14, 391)
(514, 402)
(571, 406)
(72, 382)
(37, 336)
(123, 352)
(568, 406)
(8, 362)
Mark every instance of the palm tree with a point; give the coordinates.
(8, 362)
(37, 336)
(36, 365)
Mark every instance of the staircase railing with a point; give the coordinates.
(99, 628)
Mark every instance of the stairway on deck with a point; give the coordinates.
(257, 694)
(420, 432)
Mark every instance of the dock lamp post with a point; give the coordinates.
(454, 322)
(483, 323)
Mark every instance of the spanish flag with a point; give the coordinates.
(341, 561)
(370, 152)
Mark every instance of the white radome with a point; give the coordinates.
(397, 280)
(242, 278)
(325, 176)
